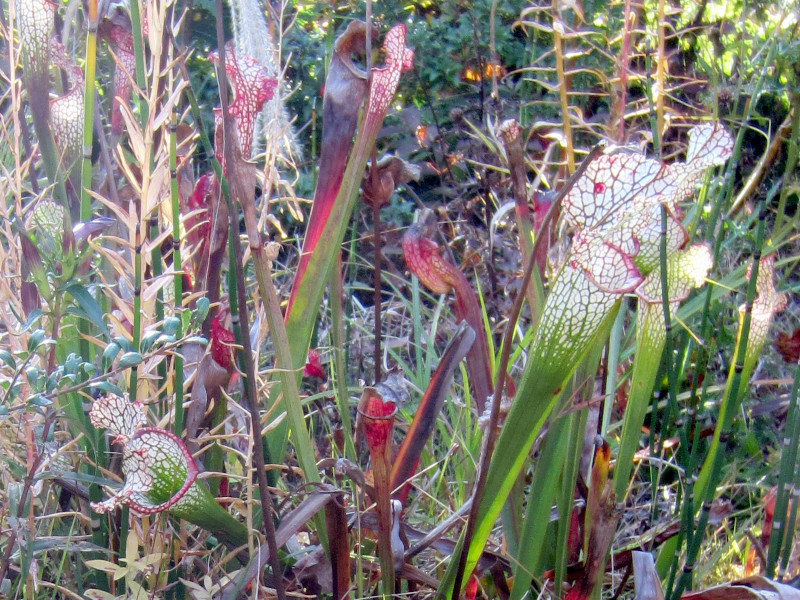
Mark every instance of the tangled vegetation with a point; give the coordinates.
(429, 299)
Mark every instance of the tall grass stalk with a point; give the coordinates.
(137, 303)
(713, 230)
(177, 265)
(336, 286)
(139, 53)
(88, 128)
(88, 112)
(782, 528)
(791, 522)
(157, 266)
(705, 486)
(661, 61)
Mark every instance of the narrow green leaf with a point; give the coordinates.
(88, 305)
(35, 340)
(8, 358)
(148, 340)
(107, 387)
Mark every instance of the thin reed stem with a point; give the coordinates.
(267, 504)
(783, 529)
(88, 112)
(177, 266)
(708, 487)
(137, 306)
(139, 53)
(661, 60)
(563, 88)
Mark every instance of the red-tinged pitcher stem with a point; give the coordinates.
(380, 474)
(377, 424)
(302, 314)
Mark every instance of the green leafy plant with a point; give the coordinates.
(570, 368)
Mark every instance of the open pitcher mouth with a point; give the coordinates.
(157, 466)
(377, 416)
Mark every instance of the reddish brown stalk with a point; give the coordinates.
(405, 462)
(510, 132)
(377, 189)
(267, 505)
(512, 140)
(602, 514)
(336, 521)
(423, 259)
(376, 418)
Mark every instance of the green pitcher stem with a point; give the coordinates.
(646, 361)
(536, 396)
(685, 270)
(200, 508)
